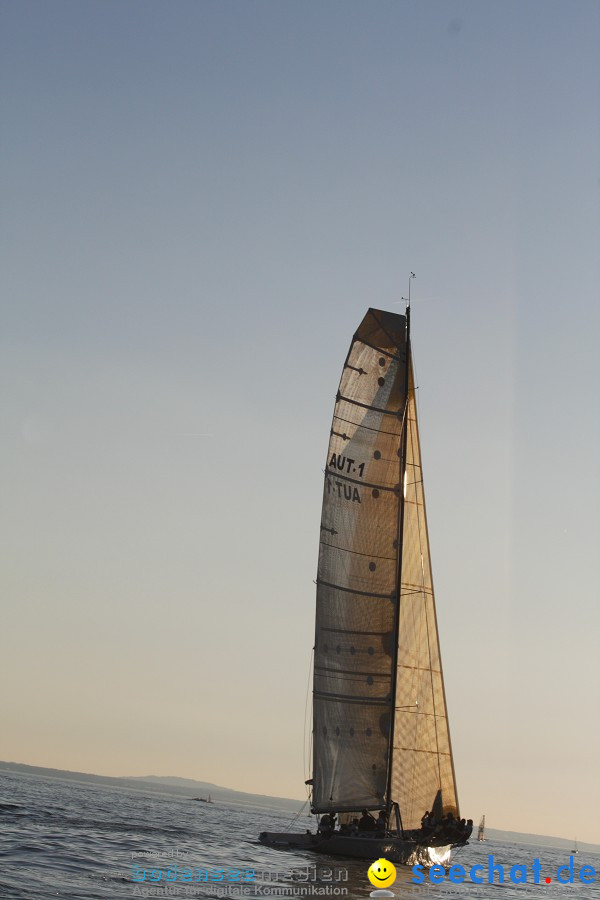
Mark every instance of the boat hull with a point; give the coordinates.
(396, 850)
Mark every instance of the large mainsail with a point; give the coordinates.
(380, 732)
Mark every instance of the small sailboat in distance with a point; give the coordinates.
(575, 849)
(381, 741)
(481, 832)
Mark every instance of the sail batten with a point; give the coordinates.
(348, 590)
(384, 412)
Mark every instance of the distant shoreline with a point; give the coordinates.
(186, 787)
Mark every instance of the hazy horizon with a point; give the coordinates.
(174, 783)
(201, 200)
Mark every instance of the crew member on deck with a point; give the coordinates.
(327, 824)
(366, 822)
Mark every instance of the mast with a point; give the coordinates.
(401, 505)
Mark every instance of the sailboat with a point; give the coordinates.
(481, 832)
(575, 849)
(381, 741)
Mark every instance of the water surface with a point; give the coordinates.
(74, 840)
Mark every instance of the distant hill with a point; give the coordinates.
(187, 788)
(157, 784)
(535, 840)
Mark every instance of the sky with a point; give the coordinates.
(200, 201)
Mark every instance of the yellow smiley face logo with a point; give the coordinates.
(381, 873)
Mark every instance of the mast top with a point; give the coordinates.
(407, 299)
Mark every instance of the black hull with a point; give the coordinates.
(396, 850)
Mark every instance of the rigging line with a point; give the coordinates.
(306, 716)
(297, 815)
(416, 388)
(309, 787)
(416, 591)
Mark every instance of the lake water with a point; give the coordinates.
(73, 840)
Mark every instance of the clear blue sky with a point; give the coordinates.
(200, 200)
